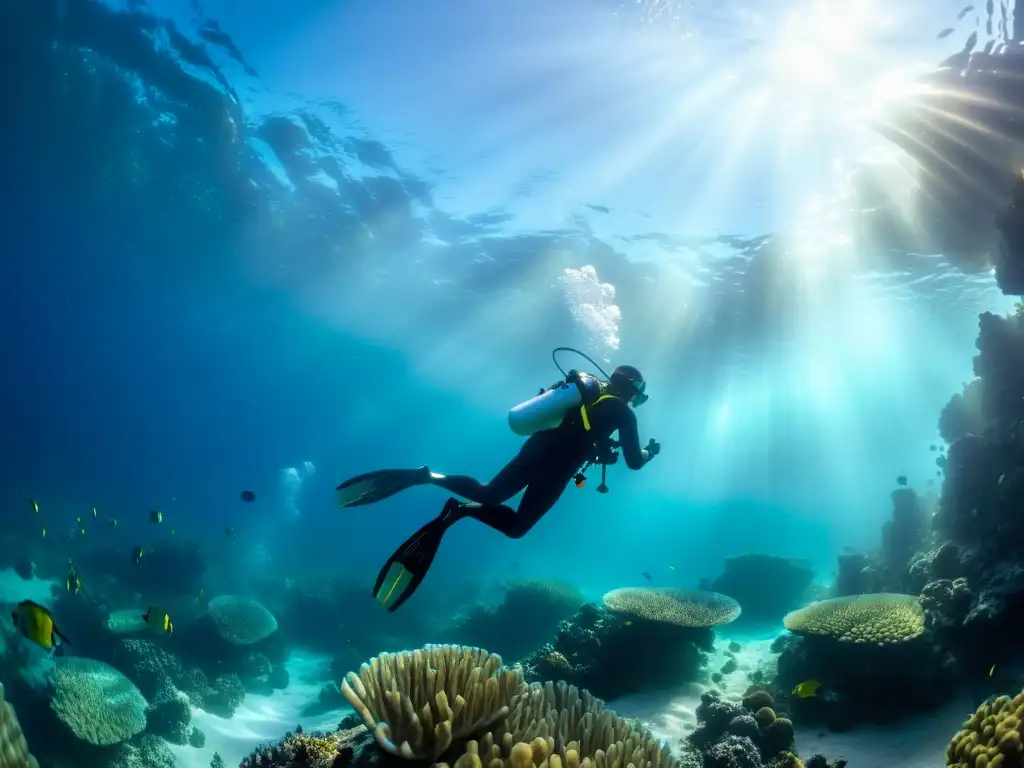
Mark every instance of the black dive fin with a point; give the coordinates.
(404, 571)
(379, 485)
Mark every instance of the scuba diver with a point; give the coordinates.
(568, 426)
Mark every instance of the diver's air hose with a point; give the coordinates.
(584, 355)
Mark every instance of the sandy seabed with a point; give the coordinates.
(263, 719)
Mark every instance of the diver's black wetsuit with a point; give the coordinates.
(544, 466)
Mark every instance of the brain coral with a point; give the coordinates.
(98, 703)
(881, 619)
(681, 607)
(241, 621)
(991, 737)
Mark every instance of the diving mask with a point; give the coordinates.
(640, 395)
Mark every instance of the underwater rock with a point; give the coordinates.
(196, 738)
(855, 672)
(903, 533)
(601, 652)
(946, 602)
(766, 586)
(170, 717)
(747, 735)
(856, 575)
(733, 752)
(146, 751)
(534, 607)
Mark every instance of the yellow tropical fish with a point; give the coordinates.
(671, 567)
(44, 531)
(36, 623)
(113, 522)
(94, 513)
(627, 624)
(993, 669)
(35, 505)
(807, 689)
(1001, 478)
(158, 620)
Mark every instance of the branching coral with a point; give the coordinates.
(882, 619)
(555, 724)
(99, 704)
(404, 697)
(991, 737)
(13, 749)
(680, 607)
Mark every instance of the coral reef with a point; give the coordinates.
(679, 607)
(542, 725)
(13, 748)
(991, 736)
(152, 669)
(946, 603)
(598, 650)
(99, 704)
(853, 645)
(879, 619)
(240, 620)
(146, 751)
(749, 736)
(404, 697)
(534, 607)
(170, 717)
(767, 586)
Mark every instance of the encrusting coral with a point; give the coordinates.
(881, 619)
(991, 737)
(403, 698)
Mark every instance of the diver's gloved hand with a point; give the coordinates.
(653, 448)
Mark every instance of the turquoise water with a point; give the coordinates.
(270, 247)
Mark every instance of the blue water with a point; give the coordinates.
(346, 243)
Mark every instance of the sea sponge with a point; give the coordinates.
(990, 737)
(681, 607)
(552, 725)
(881, 619)
(98, 703)
(403, 697)
(241, 621)
(13, 749)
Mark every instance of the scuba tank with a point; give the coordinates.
(547, 409)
